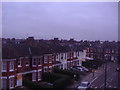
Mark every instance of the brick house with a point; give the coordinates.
(15, 70)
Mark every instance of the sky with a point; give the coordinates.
(65, 20)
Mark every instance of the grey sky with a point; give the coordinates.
(79, 20)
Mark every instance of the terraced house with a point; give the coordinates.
(32, 67)
(101, 53)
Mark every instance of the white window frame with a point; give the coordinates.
(34, 61)
(50, 59)
(39, 61)
(27, 62)
(20, 61)
(4, 66)
(12, 65)
(11, 83)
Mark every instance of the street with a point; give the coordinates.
(98, 81)
(111, 80)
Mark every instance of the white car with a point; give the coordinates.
(82, 68)
(83, 86)
(79, 68)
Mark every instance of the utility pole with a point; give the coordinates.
(0, 65)
(105, 67)
(105, 74)
(118, 62)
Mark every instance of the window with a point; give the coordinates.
(56, 56)
(45, 59)
(4, 84)
(61, 56)
(50, 59)
(34, 62)
(4, 66)
(19, 63)
(27, 61)
(65, 56)
(39, 75)
(11, 81)
(39, 61)
(112, 51)
(11, 65)
(45, 69)
(34, 76)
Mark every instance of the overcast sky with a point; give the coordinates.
(79, 20)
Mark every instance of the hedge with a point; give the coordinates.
(50, 77)
(58, 80)
(73, 74)
(34, 85)
(93, 64)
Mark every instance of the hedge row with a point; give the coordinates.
(92, 64)
(34, 85)
(58, 80)
(49, 77)
(72, 74)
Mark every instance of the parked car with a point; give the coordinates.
(79, 68)
(83, 86)
(83, 68)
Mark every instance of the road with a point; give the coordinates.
(111, 80)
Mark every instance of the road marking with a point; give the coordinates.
(93, 80)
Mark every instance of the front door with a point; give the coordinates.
(19, 80)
